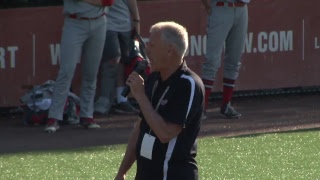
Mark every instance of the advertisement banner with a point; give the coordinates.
(282, 47)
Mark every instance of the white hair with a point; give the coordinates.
(173, 33)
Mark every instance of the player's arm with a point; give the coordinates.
(133, 7)
(130, 155)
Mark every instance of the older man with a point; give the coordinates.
(163, 141)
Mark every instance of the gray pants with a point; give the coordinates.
(225, 25)
(81, 39)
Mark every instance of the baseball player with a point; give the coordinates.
(83, 36)
(227, 28)
(122, 17)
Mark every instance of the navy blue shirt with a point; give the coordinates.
(182, 103)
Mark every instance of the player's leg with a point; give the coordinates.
(233, 51)
(109, 61)
(92, 53)
(123, 105)
(73, 36)
(219, 23)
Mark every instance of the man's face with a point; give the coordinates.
(156, 51)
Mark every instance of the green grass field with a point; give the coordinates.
(294, 155)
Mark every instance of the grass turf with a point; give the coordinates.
(289, 156)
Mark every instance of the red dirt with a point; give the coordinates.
(259, 115)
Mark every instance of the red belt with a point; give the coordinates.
(230, 4)
(75, 16)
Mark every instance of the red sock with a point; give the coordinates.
(208, 87)
(228, 86)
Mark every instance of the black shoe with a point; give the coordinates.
(229, 112)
